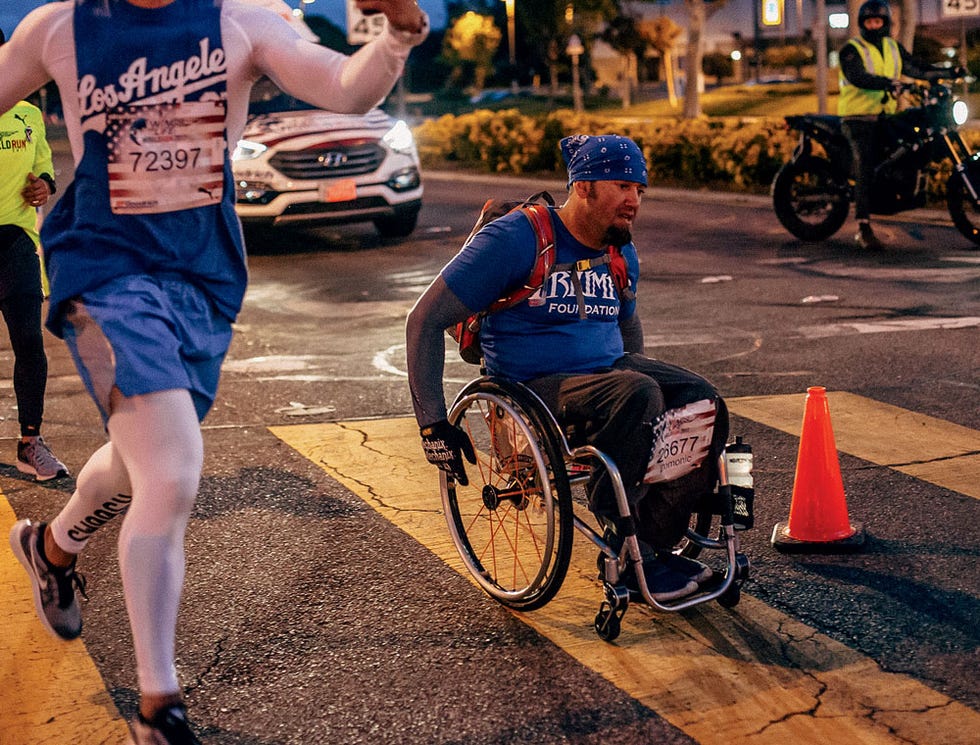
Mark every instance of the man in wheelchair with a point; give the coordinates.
(578, 343)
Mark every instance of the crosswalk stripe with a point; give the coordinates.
(927, 448)
(51, 689)
(753, 674)
(749, 675)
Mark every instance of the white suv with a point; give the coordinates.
(298, 165)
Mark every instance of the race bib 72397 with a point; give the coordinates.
(166, 156)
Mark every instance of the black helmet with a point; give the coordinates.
(875, 9)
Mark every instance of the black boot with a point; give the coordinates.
(866, 237)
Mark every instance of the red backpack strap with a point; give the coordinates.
(544, 257)
(620, 273)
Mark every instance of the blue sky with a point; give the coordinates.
(12, 11)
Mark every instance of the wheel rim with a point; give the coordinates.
(966, 216)
(811, 194)
(808, 200)
(503, 522)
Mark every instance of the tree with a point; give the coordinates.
(718, 65)
(623, 35)
(546, 26)
(662, 34)
(329, 34)
(474, 39)
(796, 56)
(699, 11)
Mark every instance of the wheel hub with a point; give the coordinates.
(491, 499)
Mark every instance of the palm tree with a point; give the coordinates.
(662, 34)
(698, 12)
(473, 38)
(623, 35)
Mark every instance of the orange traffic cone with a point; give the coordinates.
(818, 520)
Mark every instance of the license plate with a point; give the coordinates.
(344, 190)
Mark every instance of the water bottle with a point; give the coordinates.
(738, 462)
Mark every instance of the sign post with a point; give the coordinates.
(361, 28)
(960, 8)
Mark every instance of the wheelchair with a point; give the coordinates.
(514, 524)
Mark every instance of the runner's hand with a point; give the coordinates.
(403, 15)
(36, 191)
(444, 446)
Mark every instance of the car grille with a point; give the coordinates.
(332, 162)
(317, 208)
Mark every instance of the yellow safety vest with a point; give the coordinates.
(854, 101)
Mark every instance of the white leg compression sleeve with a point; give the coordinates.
(158, 438)
(102, 492)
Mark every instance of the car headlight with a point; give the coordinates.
(247, 150)
(960, 112)
(405, 179)
(399, 138)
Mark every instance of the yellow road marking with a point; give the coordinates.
(930, 449)
(750, 675)
(753, 674)
(50, 690)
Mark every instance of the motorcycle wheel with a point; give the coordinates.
(809, 199)
(965, 214)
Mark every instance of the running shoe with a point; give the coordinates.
(663, 583)
(168, 727)
(695, 570)
(866, 238)
(54, 588)
(35, 458)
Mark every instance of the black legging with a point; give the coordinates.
(20, 303)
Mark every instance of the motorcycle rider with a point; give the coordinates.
(871, 68)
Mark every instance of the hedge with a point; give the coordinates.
(731, 153)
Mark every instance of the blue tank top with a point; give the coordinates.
(153, 192)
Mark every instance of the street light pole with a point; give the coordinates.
(575, 50)
(820, 36)
(511, 32)
(511, 45)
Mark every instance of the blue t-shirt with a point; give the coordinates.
(153, 192)
(544, 334)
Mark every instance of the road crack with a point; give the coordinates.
(371, 492)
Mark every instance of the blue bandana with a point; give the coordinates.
(603, 158)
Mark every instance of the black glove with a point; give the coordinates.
(444, 446)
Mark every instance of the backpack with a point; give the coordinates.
(467, 332)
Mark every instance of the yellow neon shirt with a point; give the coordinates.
(23, 149)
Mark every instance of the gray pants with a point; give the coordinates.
(864, 135)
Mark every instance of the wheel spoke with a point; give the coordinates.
(505, 522)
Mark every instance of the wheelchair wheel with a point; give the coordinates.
(512, 524)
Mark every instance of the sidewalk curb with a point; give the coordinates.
(557, 188)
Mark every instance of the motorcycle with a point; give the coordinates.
(812, 193)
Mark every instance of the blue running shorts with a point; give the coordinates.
(145, 334)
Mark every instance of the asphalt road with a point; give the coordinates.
(310, 616)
